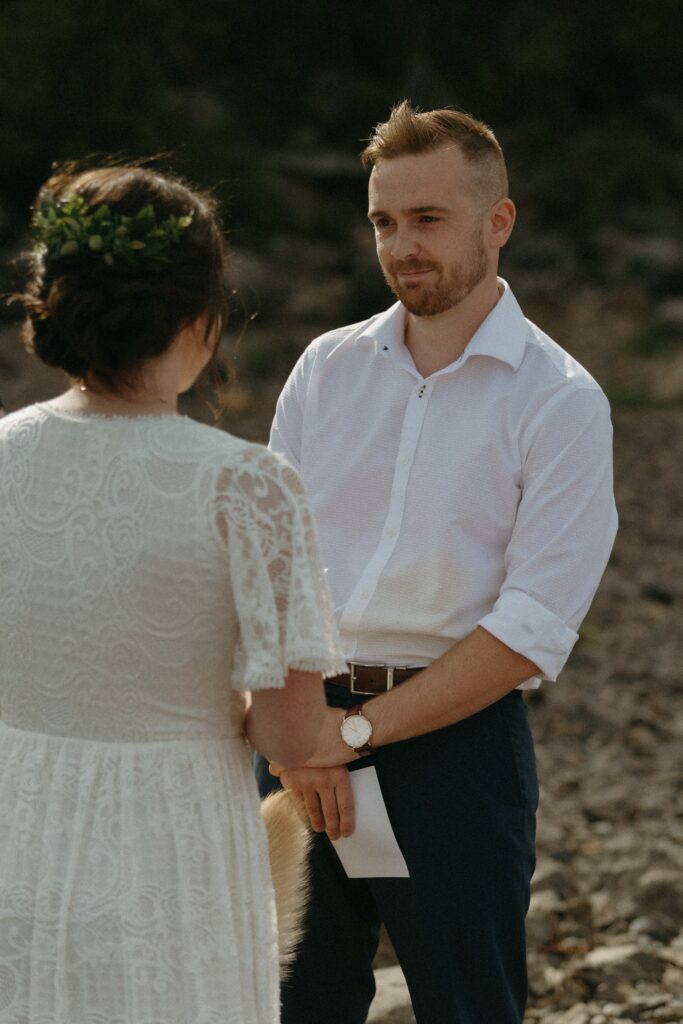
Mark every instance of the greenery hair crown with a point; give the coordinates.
(69, 227)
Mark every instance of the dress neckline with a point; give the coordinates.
(81, 414)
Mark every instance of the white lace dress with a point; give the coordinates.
(151, 569)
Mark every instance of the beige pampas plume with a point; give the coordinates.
(289, 840)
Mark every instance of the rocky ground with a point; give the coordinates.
(606, 918)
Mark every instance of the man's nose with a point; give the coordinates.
(405, 244)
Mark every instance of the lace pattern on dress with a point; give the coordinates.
(134, 554)
(283, 605)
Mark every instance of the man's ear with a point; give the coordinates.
(501, 220)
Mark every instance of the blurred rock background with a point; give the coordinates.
(269, 104)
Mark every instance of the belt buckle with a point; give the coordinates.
(353, 665)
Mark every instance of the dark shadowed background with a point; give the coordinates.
(269, 103)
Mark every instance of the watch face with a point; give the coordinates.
(356, 731)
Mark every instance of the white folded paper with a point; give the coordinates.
(371, 851)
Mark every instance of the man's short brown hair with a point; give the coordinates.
(410, 130)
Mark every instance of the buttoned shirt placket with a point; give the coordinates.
(416, 411)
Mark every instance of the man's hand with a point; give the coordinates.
(326, 794)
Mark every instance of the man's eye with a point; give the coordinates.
(428, 219)
(382, 222)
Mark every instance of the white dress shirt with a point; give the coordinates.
(480, 495)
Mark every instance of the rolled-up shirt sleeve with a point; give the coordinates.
(564, 529)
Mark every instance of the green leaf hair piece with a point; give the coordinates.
(68, 227)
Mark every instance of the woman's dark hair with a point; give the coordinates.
(102, 321)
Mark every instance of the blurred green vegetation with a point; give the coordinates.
(585, 97)
(655, 337)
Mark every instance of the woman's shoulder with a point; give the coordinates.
(20, 419)
(212, 442)
(216, 447)
(239, 471)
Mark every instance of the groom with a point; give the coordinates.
(458, 463)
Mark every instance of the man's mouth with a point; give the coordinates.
(413, 273)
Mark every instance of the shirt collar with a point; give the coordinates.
(501, 336)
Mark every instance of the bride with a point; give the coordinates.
(155, 573)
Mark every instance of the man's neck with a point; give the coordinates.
(435, 342)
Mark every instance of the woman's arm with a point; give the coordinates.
(284, 724)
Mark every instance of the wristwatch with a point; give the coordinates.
(356, 730)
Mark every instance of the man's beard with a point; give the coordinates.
(453, 283)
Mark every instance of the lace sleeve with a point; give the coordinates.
(284, 608)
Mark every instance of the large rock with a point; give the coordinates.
(543, 919)
(612, 972)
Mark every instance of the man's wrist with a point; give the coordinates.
(356, 730)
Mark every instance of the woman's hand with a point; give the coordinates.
(323, 782)
(330, 749)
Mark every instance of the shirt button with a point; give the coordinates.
(404, 461)
(392, 531)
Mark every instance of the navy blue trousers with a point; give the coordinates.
(462, 802)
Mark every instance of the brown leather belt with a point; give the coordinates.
(369, 680)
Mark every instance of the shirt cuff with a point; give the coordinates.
(524, 625)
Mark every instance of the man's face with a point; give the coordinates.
(429, 230)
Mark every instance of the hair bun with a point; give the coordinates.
(89, 315)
